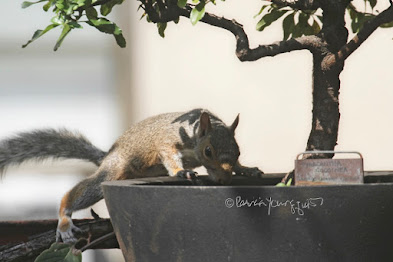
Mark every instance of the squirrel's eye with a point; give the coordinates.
(208, 152)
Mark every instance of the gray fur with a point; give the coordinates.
(47, 143)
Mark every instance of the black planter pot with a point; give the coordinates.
(167, 219)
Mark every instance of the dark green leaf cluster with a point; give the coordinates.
(59, 252)
(69, 15)
(296, 23)
(158, 7)
(196, 14)
(358, 19)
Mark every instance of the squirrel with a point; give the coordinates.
(172, 143)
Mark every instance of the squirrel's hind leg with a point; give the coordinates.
(84, 194)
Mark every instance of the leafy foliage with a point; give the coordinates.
(281, 184)
(358, 18)
(197, 11)
(59, 252)
(198, 8)
(296, 23)
(68, 15)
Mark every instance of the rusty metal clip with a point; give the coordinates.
(329, 171)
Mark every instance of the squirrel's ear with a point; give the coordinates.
(234, 124)
(204, 124)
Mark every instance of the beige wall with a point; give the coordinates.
(195, 66)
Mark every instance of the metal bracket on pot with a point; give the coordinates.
(328, 171)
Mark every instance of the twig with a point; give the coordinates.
(98, 241)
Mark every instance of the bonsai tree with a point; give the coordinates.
(314, 25)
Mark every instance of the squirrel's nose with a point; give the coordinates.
(226, 167)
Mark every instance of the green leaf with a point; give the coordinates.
(107, 7)
(288, 24)
(352, 13)
(71, 257)
(308, 30)
(66, 29)
(40, 33)
(387, 25)
(66, 6)
(315, 27)
(269, 18)
(120, 40)
(161, 29)
(91, 13)
(57, 20)
(355, 22)
(261, 10)
(26, 4)
(302, 27)
(297, 31)
(74, 24)
(181, 3)
(106, 26)
(83, 2)
(303, 19)
(282, 184)
(359, 21)
(60, 4)
(59, 252)
(197, 13)
(47, 5)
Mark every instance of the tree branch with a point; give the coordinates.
(310, 43)
(298, 4)
(368, 28)
(243, 50)
(23, 241)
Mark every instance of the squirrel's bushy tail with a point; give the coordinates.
(47, 143)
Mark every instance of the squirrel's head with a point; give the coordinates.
(217, 149)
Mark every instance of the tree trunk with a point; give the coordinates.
(326, 114)
(326, 79)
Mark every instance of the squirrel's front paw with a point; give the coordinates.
(250, 171)
(189, 174)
